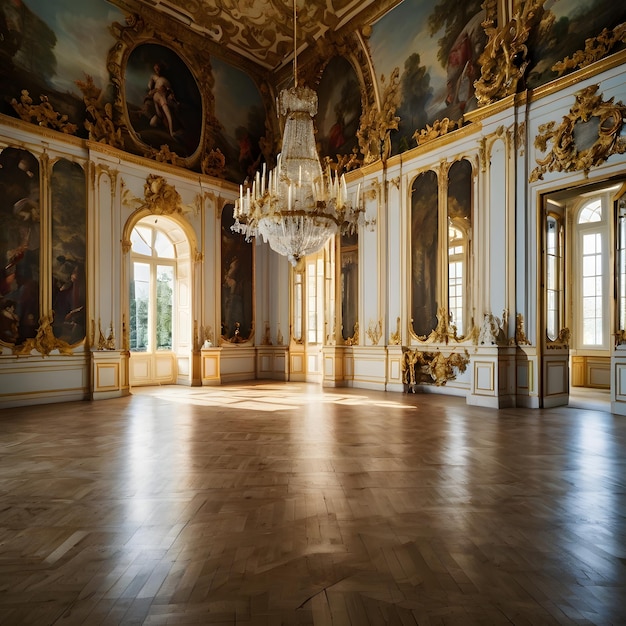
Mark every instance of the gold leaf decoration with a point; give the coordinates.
(438, 128)
(43, 114)
(44, 341)
(504, 60)
(595, 49)
(161, 198)
(572, 150)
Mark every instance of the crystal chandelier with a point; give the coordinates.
(297, 207)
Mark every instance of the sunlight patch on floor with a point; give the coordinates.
(264, 397)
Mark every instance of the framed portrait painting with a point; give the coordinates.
(158, 99)
(162, 99)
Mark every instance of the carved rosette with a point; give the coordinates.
(586, 137)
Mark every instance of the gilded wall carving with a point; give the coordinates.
(595, 49)
(431, 367)
(160, 197)
(377, 123)
(585, 138)
(42, 114)
(505, 57)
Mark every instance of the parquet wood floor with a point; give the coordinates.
(273, 503)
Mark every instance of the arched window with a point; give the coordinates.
(592, 287)
(152, 287)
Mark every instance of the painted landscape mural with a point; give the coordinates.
(436, 45)
(46, 47)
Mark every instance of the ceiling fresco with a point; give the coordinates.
(261, 31)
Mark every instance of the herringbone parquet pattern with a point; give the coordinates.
(277, 503)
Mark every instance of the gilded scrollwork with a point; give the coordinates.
(505, 58)
(396, 337)
(375, 332)
(595, 48)
(354, 340)
(591, 118)
(99, 121)
(377, 124)
(437, 129)
(444, 332)
(160, 197)
(43, 114)
(520, 333)
(431, 367)
(562, 340)
(44, 341)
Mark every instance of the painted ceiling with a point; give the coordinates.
(260, 32)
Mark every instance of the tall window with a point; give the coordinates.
(315, 299)
(151, 289)
(456, 276)
(554, 274)
(621, 265)
(593, 272)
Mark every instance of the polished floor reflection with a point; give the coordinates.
(272, 503)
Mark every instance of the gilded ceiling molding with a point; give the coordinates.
(42, 114)
(504, 60)
(586, 137)
(595, 49)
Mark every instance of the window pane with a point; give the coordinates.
(592, 212)
(589, 244)
(165, 300)
(139, 307)
(140, 240)
(164, 246)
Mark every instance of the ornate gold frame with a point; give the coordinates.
(136, 32)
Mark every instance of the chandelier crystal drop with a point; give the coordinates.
(297, 207)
